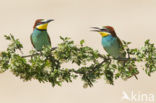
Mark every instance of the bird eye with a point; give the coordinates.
(38, 23)
(104, 30)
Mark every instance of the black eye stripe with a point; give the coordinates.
(104, 30)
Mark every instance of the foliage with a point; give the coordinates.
(47, 65)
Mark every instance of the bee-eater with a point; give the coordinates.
(40, 37)
(111, 43)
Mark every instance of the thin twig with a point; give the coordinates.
(98, 66)
(52, 49)
(125, 59)
(120, 59)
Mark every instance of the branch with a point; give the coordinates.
(91, 65)
(52, 49)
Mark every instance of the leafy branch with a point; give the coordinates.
(48, 64)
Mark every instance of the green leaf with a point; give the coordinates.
(82, 42)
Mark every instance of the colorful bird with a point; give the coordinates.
(40, 37)
(111, 43)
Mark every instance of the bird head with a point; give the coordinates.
(41, 24)
(105, 31)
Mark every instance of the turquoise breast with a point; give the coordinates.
(40, 39)
(112, 46)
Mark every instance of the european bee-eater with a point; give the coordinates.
(40, 37)
(111, 43)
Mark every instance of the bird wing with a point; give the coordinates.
(32, 41)
(49, 40)
(120, 42)
(114, 35)
(122, 51)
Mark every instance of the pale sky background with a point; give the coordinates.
(133, 20)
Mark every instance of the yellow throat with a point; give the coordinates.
(42, 26)
(103, 34)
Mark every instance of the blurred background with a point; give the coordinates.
(133, 20)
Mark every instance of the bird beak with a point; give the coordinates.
(97, 29)
(47, 21)
(102, 31)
